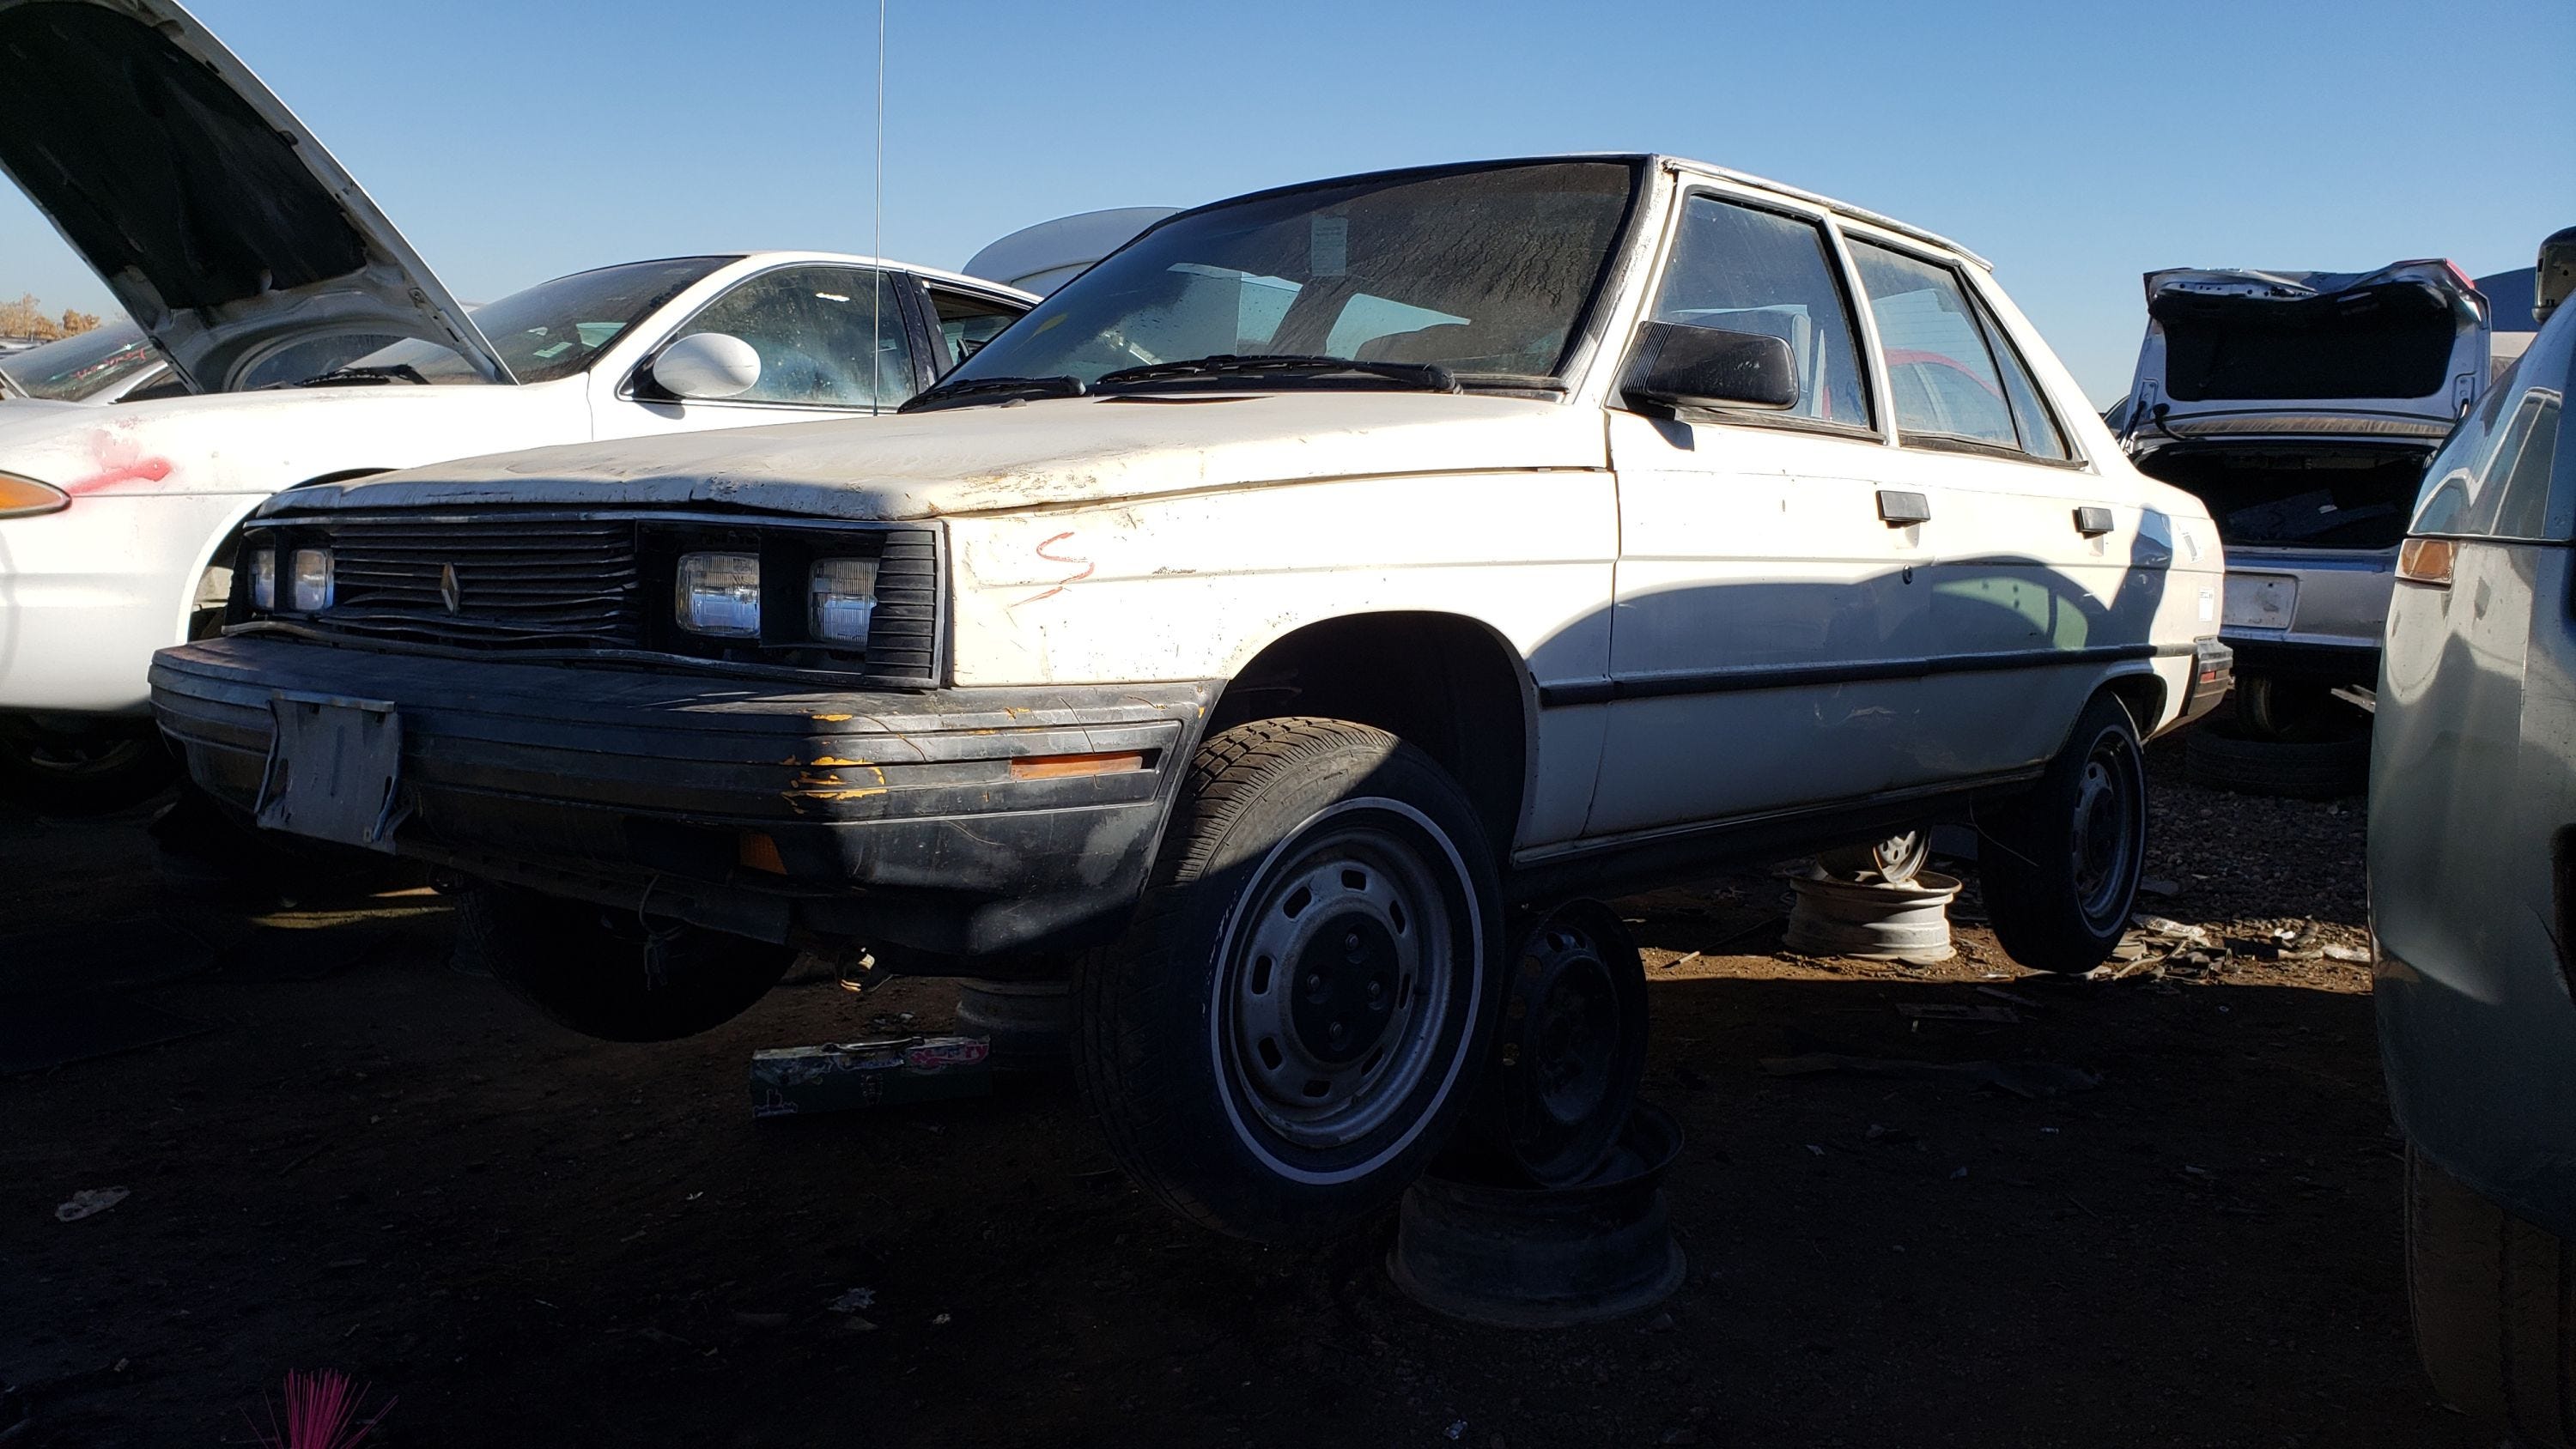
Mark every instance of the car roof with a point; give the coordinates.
(1813, 198)
(773, 257)
(1655, 159)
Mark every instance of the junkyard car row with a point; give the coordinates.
(1256, 630)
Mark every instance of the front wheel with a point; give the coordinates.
(1302, 1007)
(2061, 864)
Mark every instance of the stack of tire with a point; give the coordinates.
(2284, 738)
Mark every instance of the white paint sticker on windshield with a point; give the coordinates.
(1328, 246)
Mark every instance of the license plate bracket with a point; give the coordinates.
(2260, 601)
(334, 769)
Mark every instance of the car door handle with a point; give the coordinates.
(1897, 508)
(2092, 522)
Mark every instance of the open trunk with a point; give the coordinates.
(2305, 494)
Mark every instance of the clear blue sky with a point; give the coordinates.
(2076, 144)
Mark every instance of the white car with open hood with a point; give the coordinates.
(1240, 632)
(257, 266)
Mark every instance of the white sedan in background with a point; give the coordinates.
(254, 263)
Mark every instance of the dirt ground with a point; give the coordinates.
(365, 1160)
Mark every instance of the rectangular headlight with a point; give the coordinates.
(312, 580)
(841, 598)
(719, 594)
(263, 580)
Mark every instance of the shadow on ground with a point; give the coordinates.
(395, 1171)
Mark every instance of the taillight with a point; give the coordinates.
(2427, 561)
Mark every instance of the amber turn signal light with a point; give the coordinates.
(2427, 561)
(25, 497)
(1065, 767)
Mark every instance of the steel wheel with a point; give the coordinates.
(1333, 985)
(1895, 860)
(2110, 807)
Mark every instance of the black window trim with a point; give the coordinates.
(1978, 306)
(908, 310)
(1877, 430)
(999, 298)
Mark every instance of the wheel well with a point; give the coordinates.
(1449, 685)
(2143, 696)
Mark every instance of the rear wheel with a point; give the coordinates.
(610, 973)
(1303, 1005)
(2060, 864)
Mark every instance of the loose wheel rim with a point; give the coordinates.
(1336, 983)
(75, 757)
(2105, 838)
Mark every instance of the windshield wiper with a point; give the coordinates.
(361, 376)
(970, 391)
(1428, 376)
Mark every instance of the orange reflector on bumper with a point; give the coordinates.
(1064, 767)
(2427, 561)
(756, 851)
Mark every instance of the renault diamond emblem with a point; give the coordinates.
(448, 593)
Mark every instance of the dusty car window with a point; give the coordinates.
(827, 336)
(554, 329)
(1746, 270)
(1943, 377)
(966, 323)
(1486, 272)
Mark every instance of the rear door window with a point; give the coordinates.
(1941, 375)
(966, 322)
(1742, 269)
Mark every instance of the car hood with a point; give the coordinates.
(216, 218)
(995, 459)
(254, 442)
(2398, 352)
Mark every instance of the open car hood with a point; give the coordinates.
(2401, 351)
(220, 223)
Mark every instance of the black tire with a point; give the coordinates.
(2060, 864)
(2492, 1308)
(2279, 710)
(90, 769)
(2298, 770)
(1291, 1115)
(592, 969)
(1028, 1023)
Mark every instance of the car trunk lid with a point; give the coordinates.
(2399, 352)
(219, 222)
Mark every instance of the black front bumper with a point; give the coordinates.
(887, 819)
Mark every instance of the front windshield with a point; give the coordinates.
(81, 366)
(553, 329)
(1486, 272)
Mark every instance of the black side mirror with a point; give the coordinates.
(1681, 366)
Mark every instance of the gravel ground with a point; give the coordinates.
(366, 1161)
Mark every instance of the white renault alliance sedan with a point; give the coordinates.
(1241, 631)
(261, 270)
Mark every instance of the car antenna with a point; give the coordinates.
(876, 242)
